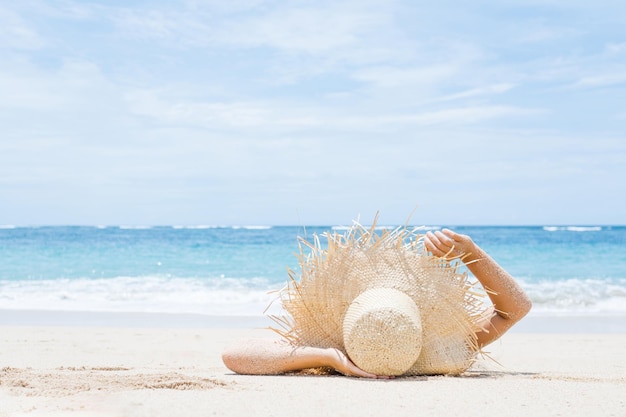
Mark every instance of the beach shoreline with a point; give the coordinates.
(533, 323)
(55, 363)
(158, 371)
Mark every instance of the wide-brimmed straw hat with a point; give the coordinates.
(382, 299)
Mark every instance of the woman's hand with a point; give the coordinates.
(449, 245)
(342, 364)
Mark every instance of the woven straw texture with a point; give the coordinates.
(333, 275)
(390, 317)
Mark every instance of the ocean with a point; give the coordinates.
(232, 270)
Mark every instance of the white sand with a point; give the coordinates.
(102, 371)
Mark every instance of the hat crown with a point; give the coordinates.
(382, 331)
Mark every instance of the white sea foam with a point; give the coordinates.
(198, 227)
(218, 296)
(427, 228)
(245, 297)
(415, 228)
(579, 296)
(215, 226)
(367, 227)
(573, 228)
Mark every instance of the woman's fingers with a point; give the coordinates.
(449, 245)
(350, 369)
(361, 373)
(442, 244)
(445, 240)
(356, 371)
(433, 244)
(452, 235)
(463, 243)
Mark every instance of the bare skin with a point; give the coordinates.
(511, 304)
(270, 357)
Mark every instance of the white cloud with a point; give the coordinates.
(468, 115)
(422, 76)
(602, 80)
(479, 91)
(540, 32)
(274, 116)
(291, 28)
(302, 30)
(170, 26)
(75, 86)
(28, 92)
(15, 33)
(217, 115)
(149, 103)
(616, 48)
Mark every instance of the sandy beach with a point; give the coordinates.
(87, 369)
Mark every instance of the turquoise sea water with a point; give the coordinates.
(213, 270)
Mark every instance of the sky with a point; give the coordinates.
(312, 112)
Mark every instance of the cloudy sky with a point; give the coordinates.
(312, 112)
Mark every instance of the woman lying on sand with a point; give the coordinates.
(510, 304)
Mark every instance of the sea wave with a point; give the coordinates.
(215, 226)
(219, 296)
(224, 296)
(341, 228)
(198, 226)
(427, 228)
(573, 228)
(411, 228)
(579, 296)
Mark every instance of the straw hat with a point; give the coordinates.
(389, 317)
(379, 297)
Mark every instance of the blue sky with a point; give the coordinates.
(312, 112)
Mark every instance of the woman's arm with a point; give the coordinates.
(510, 302)
(272, 356)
